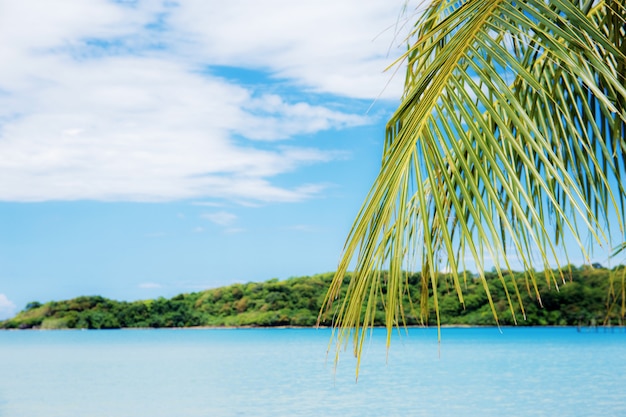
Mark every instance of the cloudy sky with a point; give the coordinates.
(153, 147)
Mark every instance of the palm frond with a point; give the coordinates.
(509, 139)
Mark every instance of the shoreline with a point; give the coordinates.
(443, 326)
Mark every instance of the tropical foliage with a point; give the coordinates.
(508, 142)
(294, 302)
(595, 296)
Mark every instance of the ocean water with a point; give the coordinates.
(285, 372)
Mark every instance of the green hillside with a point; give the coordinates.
(589, 296)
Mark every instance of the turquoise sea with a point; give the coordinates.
(285, 372)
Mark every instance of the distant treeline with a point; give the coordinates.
(590, 296)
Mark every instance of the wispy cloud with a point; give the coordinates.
(107, 101)
(7, 307)
(221, 218)
(234, 230)
(206, 204)
(150, 286)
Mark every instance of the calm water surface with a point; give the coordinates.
(284, 372)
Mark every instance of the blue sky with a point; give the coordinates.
(149, 148)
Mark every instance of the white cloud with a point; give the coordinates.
(234, 230)
(149, 286)
(221, 218)
(338, 47)
(7, 307)
(93, 105)
(206, 204)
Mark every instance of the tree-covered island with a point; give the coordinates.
(590, 296)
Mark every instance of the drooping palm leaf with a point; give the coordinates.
(509, 139)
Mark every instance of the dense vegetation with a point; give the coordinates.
(590, 296)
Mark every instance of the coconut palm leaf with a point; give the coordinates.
(509, 140)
